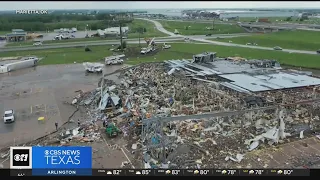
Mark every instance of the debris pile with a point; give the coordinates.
(84, 133)
(145, 101)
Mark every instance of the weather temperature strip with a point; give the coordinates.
(252, 172)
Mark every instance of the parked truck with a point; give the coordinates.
(151, 47)
(23, 63)
(93, 67)
(73, 30)
(113, 60)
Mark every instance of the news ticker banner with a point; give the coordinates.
(48, 160)
(77, 161)
(163, 172)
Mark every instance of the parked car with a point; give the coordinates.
(208, 34)
(37, 43)
(277, 48)
(8, 116)
(114, 62)
(318, 52)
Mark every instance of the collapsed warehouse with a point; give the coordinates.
(209, 112)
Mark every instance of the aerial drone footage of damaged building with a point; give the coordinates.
(212, 112)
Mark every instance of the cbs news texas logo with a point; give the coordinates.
(20, 157)
(50, 157)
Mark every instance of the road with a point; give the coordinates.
(308, 27)
(278, 26)
(197, 21)
(112, 42)
(160, 28)
(172, 37)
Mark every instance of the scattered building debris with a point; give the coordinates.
(179, 114)
(185, 114)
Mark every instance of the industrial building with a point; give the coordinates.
(116, 30)
(17, 35)
(245, 76)
(112, 31)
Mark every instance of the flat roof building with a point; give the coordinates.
(116, 30)
(247, 76)
(16, 35)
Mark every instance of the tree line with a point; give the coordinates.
(50, 22)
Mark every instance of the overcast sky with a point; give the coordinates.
(15, 5)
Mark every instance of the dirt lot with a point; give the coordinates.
(41, 92)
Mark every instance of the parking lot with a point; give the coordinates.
(40, 92)
(79, 34)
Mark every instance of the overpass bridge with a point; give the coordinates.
(267, 26)
(280, 26)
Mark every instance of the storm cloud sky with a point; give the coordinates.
(46, 5)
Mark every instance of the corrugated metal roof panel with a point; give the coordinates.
(270, 81)
(234, 87)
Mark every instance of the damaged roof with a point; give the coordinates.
(256, 83)
(246, 78)
(104, 100)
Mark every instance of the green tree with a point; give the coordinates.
(289, 19)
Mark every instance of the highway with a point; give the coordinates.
(160, 28)
(172, 37)
(197, 21)
(281, 26)
(68, 45)
(110, 42)
(308, 27)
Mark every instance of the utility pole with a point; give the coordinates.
(139, 38)
(121, 19)
(121, 45)
(213, 24)
(140, 30)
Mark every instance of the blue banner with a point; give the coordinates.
(48, 157)
(61, 172)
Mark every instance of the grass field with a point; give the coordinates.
(195, 28)
(150, 32)
(65, 56)
(299, 40)
(150, 27)
(2, 33)
(178, 51)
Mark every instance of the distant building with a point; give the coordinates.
(305, 15)
(263, 20)
(17, 35)
(112, 31)
(233, 18)
(185, 15)
(116, 30)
